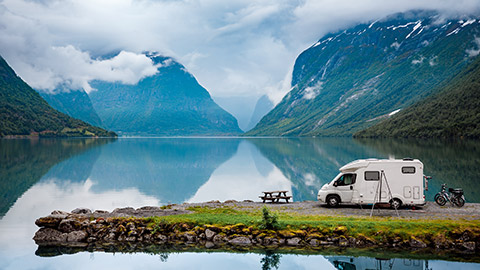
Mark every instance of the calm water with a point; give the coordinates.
(38, 176)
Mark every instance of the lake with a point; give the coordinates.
(38, 176)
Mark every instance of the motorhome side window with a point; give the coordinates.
(346, 179)
(408, 170)
(372, 176)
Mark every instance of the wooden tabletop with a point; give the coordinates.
(277, 191)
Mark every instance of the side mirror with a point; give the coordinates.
(335, 184)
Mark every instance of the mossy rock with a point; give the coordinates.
(286, 233)
(340, 230)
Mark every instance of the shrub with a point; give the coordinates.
(269, 220)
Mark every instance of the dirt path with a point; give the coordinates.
(470, 211)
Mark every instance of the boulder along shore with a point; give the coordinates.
(125, 228)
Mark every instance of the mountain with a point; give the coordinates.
(75, 103)
(241, 107)
(453, 112)
(354, 78)
(169, 103)
(263, 106)
(23, 112)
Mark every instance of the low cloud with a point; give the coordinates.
(474, 51)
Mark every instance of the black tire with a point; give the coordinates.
(459, 202)
(333, 200)
(395, 203)
(440, 200)
(436, 196)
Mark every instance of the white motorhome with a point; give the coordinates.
(368, 181)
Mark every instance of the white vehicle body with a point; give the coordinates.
(366, 263)
(369, 181)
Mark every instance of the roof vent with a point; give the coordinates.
(407, 159)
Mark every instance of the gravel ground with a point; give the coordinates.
(470, 211)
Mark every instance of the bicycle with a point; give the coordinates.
(454, 196)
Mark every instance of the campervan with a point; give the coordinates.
(369, 181)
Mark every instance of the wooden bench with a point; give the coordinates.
(275, 196)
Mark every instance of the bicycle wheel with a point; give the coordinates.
(440, 200)
(459, 202)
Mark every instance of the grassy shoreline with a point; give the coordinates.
(376, 228)
(250, 228)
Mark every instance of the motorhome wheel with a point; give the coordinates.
(333, 200)
(395, 203)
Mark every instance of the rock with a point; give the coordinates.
(110, 237)
(314, 242)
(270, 241)
(209, 244)
(343, 242)
(91, 239)
(417, 243)
(149, 208)
(49, 235)
(131, 238)
(76, 236)
(209, 234)
(191, 237)
(69, 225)
(293, 241)
(82, 211)
(213, 201)
(230, 201)
(59, 212)
(340, 230)
(240, 241)
(126, 211)
(51, 221)
(248, 201)
(161, 238)
(468, 246)
(326, 243)
(218, 238)
(101, 212)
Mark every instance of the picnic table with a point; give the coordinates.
(275, 196)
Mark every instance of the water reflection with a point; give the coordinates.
(38, 176)
(23, 162)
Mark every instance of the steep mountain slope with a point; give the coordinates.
(75, 103)
(170, 103)
(453, 112)
(350, 80)
(24, 112)
(263, 106)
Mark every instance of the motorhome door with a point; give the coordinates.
(345, 186)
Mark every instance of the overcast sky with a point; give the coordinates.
(233, 47)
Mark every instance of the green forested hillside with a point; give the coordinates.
(23, 112)
(453, 112)
(73, 102)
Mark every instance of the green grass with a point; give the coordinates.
(377, 228)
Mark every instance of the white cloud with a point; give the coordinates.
(236, 47)
(474, 51)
